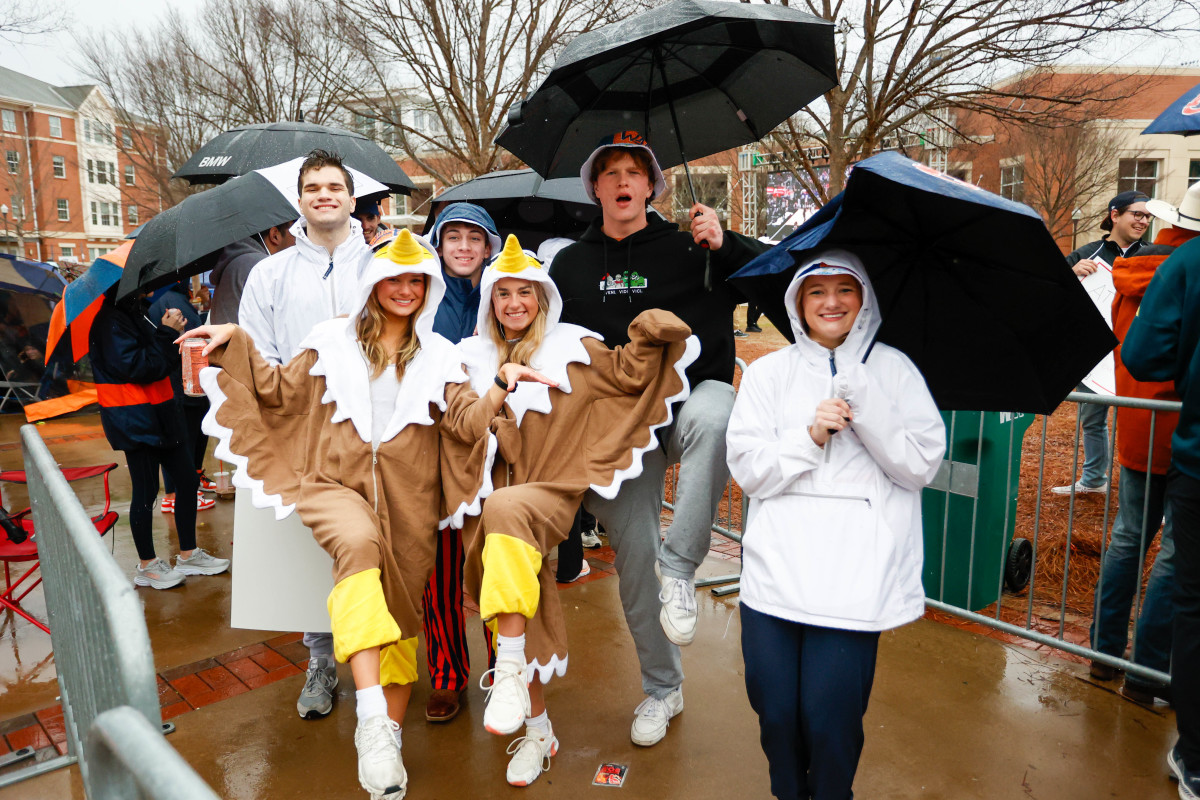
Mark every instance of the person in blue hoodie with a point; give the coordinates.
(1163, 344)
(465, 237)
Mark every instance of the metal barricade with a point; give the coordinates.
(127, 757)
(98, 630)
(1009, 618)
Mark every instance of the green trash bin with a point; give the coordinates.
(974, 487)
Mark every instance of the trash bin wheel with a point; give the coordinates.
(1019, 564)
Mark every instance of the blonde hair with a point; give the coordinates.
(522, 350)
(369, 329)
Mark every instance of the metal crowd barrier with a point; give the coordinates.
(1011, 614)
(101, 650)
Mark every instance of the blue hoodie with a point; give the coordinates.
(1162, 345)
(457, 314)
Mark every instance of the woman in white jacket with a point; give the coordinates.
(832, 439)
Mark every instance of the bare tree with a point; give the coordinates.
(446, 71)
(22, 19)
(234, 62)
(906, 67)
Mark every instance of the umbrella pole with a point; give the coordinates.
(687, 172)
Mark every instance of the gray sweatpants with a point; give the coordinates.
(696, 440)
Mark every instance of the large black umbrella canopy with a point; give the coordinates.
(186, 239)
(240, 150)
(521, 202)
(972, 287)
(694, 77)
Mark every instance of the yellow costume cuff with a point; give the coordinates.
(510, 582)
(360, 616)
(398, 662)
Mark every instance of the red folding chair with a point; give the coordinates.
(23, 552)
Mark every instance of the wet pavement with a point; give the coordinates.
(954, 714)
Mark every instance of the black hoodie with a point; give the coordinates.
(606, 282)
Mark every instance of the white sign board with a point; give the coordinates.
(281, 576)
(1099, 286)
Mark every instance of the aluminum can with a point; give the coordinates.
(193, 362)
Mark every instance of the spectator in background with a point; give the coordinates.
(193, 408)
(1163, 344)
(367, 212)
(1142, 491)
(234, 265)
(1125, 222)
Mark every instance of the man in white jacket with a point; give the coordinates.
(284, 297)
(832, 440)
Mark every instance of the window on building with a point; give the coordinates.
(112, 172)
(1139, 175)
(364, 124)
(9, 118)
(110, 214)
(64, 210)
(95, 214)
(91, 171)
(87, 130)
(60, 166)
(1193, 172)
(96, 252)
(126, 139)
(129, 175)
(133, 215)
(56, 127)
(18, 209)
(1012, 182)
(67, 250)
(13, 158)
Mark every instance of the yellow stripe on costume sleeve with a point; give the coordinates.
(360, 616)
(398, 663)
(510, 582)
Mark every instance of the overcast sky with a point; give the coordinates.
(48, 58)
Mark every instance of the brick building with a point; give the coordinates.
(71, 189)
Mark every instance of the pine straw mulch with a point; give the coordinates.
(1052, 523)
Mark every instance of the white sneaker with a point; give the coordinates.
(591, 540)
(507, 699)
(1079, 488)
(531, 756)
(380, 767)
(157, 574)
(678, 614)
(652, 716)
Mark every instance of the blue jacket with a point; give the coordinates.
(1162, 345)
(131, 361)
(459, 310)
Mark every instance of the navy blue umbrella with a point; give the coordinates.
(972, 287)
(1181, 117)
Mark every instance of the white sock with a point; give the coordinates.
(399, 735)
(510, 648)
(370, 702)
(540, 723)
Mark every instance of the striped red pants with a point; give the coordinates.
(445, 628)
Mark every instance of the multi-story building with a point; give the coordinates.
(68, 186)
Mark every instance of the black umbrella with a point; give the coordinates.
(522, 203)
(972, 287)
(240, 150)
(186, 239)
(694, 77)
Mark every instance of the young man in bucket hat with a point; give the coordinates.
(465, 237)
(1163, 344)
(624, 263)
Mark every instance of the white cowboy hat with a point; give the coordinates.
(1187, 215)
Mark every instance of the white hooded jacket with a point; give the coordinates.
(288, 293)
(833, 535)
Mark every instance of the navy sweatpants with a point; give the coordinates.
(809, 687)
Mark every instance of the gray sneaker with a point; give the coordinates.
(201, 563)
(591, 540)
(158, 575)
(316, 698)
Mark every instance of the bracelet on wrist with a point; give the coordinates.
(503, 384)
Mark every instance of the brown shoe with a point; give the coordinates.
(443, 705)
(1103, 672)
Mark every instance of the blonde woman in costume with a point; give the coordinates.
(347, 434)
(545, 448)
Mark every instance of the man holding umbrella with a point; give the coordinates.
(284, 297)
(624, 263)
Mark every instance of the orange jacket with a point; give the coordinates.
(1131, 277)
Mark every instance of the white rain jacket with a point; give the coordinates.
(290, 292)
(833, 536)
